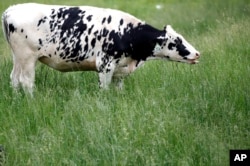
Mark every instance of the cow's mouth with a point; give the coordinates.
(193, 61)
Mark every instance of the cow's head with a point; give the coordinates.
(174, 47)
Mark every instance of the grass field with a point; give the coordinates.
(167, 114)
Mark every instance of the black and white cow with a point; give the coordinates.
(85, 38)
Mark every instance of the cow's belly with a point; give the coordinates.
(126, 66)
(63, 66)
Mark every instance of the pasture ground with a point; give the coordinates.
(167, 114)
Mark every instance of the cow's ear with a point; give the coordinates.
(157, 49)
(168, 29)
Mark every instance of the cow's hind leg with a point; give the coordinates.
(23, 73)
(14, 76)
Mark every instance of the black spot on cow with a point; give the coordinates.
(109, 19)
(21, 30)
(53, 11)
(183, 51)
(105, 45)
(40, 42)
(86, 39)
(181, 48)
(93, 42)
(86, 47)
(171, 45)
(103, 20)
(89, 18)
(53, 40)
(81, 58)
(95, 33)
(42, 20)
(61, 55)
(90, 29)
(63, 40)
(107, 70)
(99, 37)
(105, 32)
(59, 14)
(12, 28)
(67, 51)
(121, 22)
(53, 15)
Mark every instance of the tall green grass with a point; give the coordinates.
(167, 114)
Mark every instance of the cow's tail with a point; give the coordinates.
(5, 26)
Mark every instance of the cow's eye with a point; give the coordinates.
(178, 41)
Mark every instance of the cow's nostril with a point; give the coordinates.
(197, 54)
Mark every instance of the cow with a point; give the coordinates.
(85, 38)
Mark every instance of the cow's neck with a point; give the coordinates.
(144, 42)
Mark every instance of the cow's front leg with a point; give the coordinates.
(118, 81)
(106, 71)
(105, 79)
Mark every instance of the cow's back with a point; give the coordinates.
(32, 17)
(66, 35)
